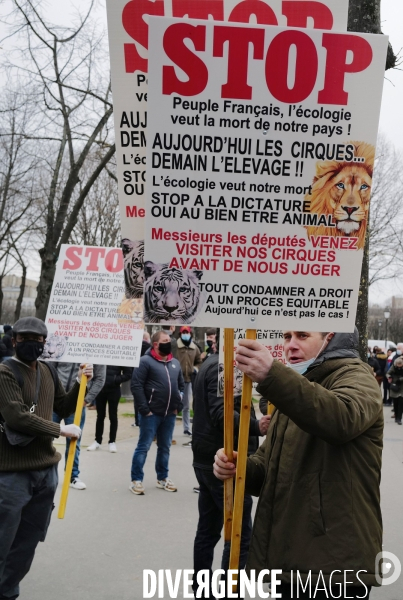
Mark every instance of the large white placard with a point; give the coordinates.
(128, 42)
(88, 317)
(261, 146)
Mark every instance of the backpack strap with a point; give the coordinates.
(12, 364)
(53, 372)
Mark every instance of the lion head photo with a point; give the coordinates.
(343, 190)
(131, 310)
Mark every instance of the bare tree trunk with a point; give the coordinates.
(49, 254)
(361, 319)
(21, 294)
(365, 16)
(1, 295)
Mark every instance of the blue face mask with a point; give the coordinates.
(303, 366)
(186, 337)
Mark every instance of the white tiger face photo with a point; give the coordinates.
(238, 378)
(55, 347)
(133, 259)
(171, 294)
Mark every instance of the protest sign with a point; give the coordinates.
(128, 42)
(88, 318)
(273, 340)
(259, 172)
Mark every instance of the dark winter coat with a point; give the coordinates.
(157, 385)
(6, 339)
(382, 359)
(374, 364)
(208, 418)
(396, 375)
(317, 474)
(115, 376)
(144, 347)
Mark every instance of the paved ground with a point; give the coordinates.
(108, 536)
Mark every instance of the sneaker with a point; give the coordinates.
(187, 432)
(112, 447)
(77, 484)
(94, 446)
(167, 485)
(196, 489)
(136, 487)
(188, 444)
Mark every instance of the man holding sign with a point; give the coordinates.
(318, 472)
(29, 391)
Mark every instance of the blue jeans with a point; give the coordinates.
(69, 421)
(186, 407)
(163, 428)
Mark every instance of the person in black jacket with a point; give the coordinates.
(375, 365)
(109, 395)
(3, 351)
(382, 358)
(145, 345)
(7, 340)
(208, 437)
(157, 387)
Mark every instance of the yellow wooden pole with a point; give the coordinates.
(72, 449)
(241, 465)
(228, 426)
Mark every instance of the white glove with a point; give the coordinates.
(70, 431)
(87, 369)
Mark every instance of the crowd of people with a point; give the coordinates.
(311, 472)
(387, 366)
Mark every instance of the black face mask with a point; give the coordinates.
(29, 350)
(210, 343)
(165, 349)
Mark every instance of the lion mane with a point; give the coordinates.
(343, 190)
(131, 311)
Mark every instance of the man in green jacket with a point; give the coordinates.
(317, 474)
